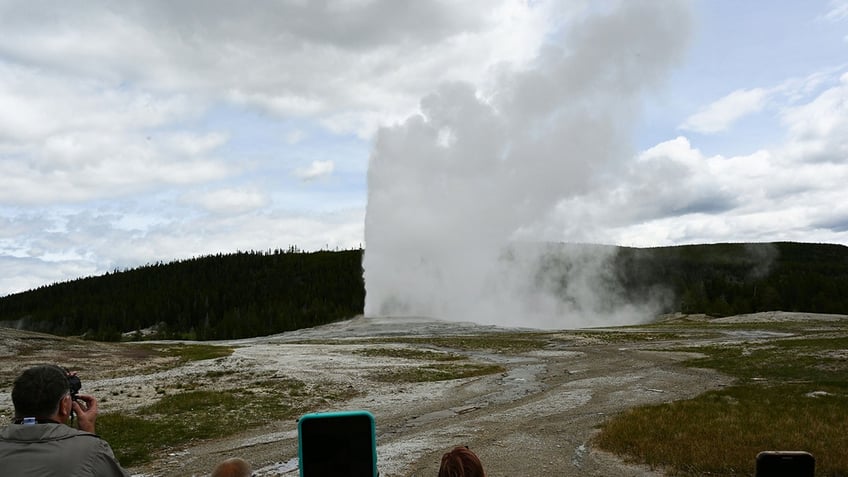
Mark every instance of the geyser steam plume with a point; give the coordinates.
(463, 197)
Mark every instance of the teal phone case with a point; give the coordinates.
(337, 444)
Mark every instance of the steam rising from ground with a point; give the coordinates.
(463, 196)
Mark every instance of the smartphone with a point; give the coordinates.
(785, 464)
(337, 444)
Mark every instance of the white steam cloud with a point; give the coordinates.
(462, 195)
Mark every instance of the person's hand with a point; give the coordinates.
(86, 412)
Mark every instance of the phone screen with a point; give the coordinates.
(337, 445)
(785, 464)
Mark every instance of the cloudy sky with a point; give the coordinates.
(142, 131)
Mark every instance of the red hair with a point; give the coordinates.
(461, 462)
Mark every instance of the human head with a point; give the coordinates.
(234, 467)
(39, 391)
(461, 462)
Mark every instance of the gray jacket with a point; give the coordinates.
(55, 450)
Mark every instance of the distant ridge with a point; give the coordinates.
(735, 278)
(213, 297)
(259, 293)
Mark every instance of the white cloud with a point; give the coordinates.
(79, 166)
(315, 170)
(192, 145)
(801, 89)
(24, 273)
(80, 139)
(670, 181)
(99, 101)
(285, 57)
(722, 113)
(296, 136)
(838, 10)
(818, 130)
(121, 106)
(35, 105)
(229, 201)
(791, 191)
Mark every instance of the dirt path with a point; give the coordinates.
(546, 430)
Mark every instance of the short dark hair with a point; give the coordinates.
(38, 390)
(461, 462)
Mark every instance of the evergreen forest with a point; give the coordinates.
(212, 297)
(260, 293)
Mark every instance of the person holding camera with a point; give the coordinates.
(39, 442)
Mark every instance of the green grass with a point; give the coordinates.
(771, 407)
(606, 336)
(720, 433)
(441, 372)
(805, 327)
(505, 342)
(810, 360)
(134, 438)
(193, 352)
(178, 419)
(408, 353)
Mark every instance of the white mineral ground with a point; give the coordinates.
(535, 419)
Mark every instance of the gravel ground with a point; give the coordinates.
(535, 419)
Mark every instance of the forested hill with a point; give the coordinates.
(731, 279)
(213, 297)
(258, 293)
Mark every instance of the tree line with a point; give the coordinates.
(731, 279)
(248, 294)
(212, 297)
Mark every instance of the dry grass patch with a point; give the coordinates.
(791, 394)
(720, 433)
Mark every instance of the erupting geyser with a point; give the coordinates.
(467, 199)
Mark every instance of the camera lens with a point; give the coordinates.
(74, 384)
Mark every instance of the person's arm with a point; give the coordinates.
(86, 412)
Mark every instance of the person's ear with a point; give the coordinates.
(65, 407)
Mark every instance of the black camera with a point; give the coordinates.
(75, 384)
